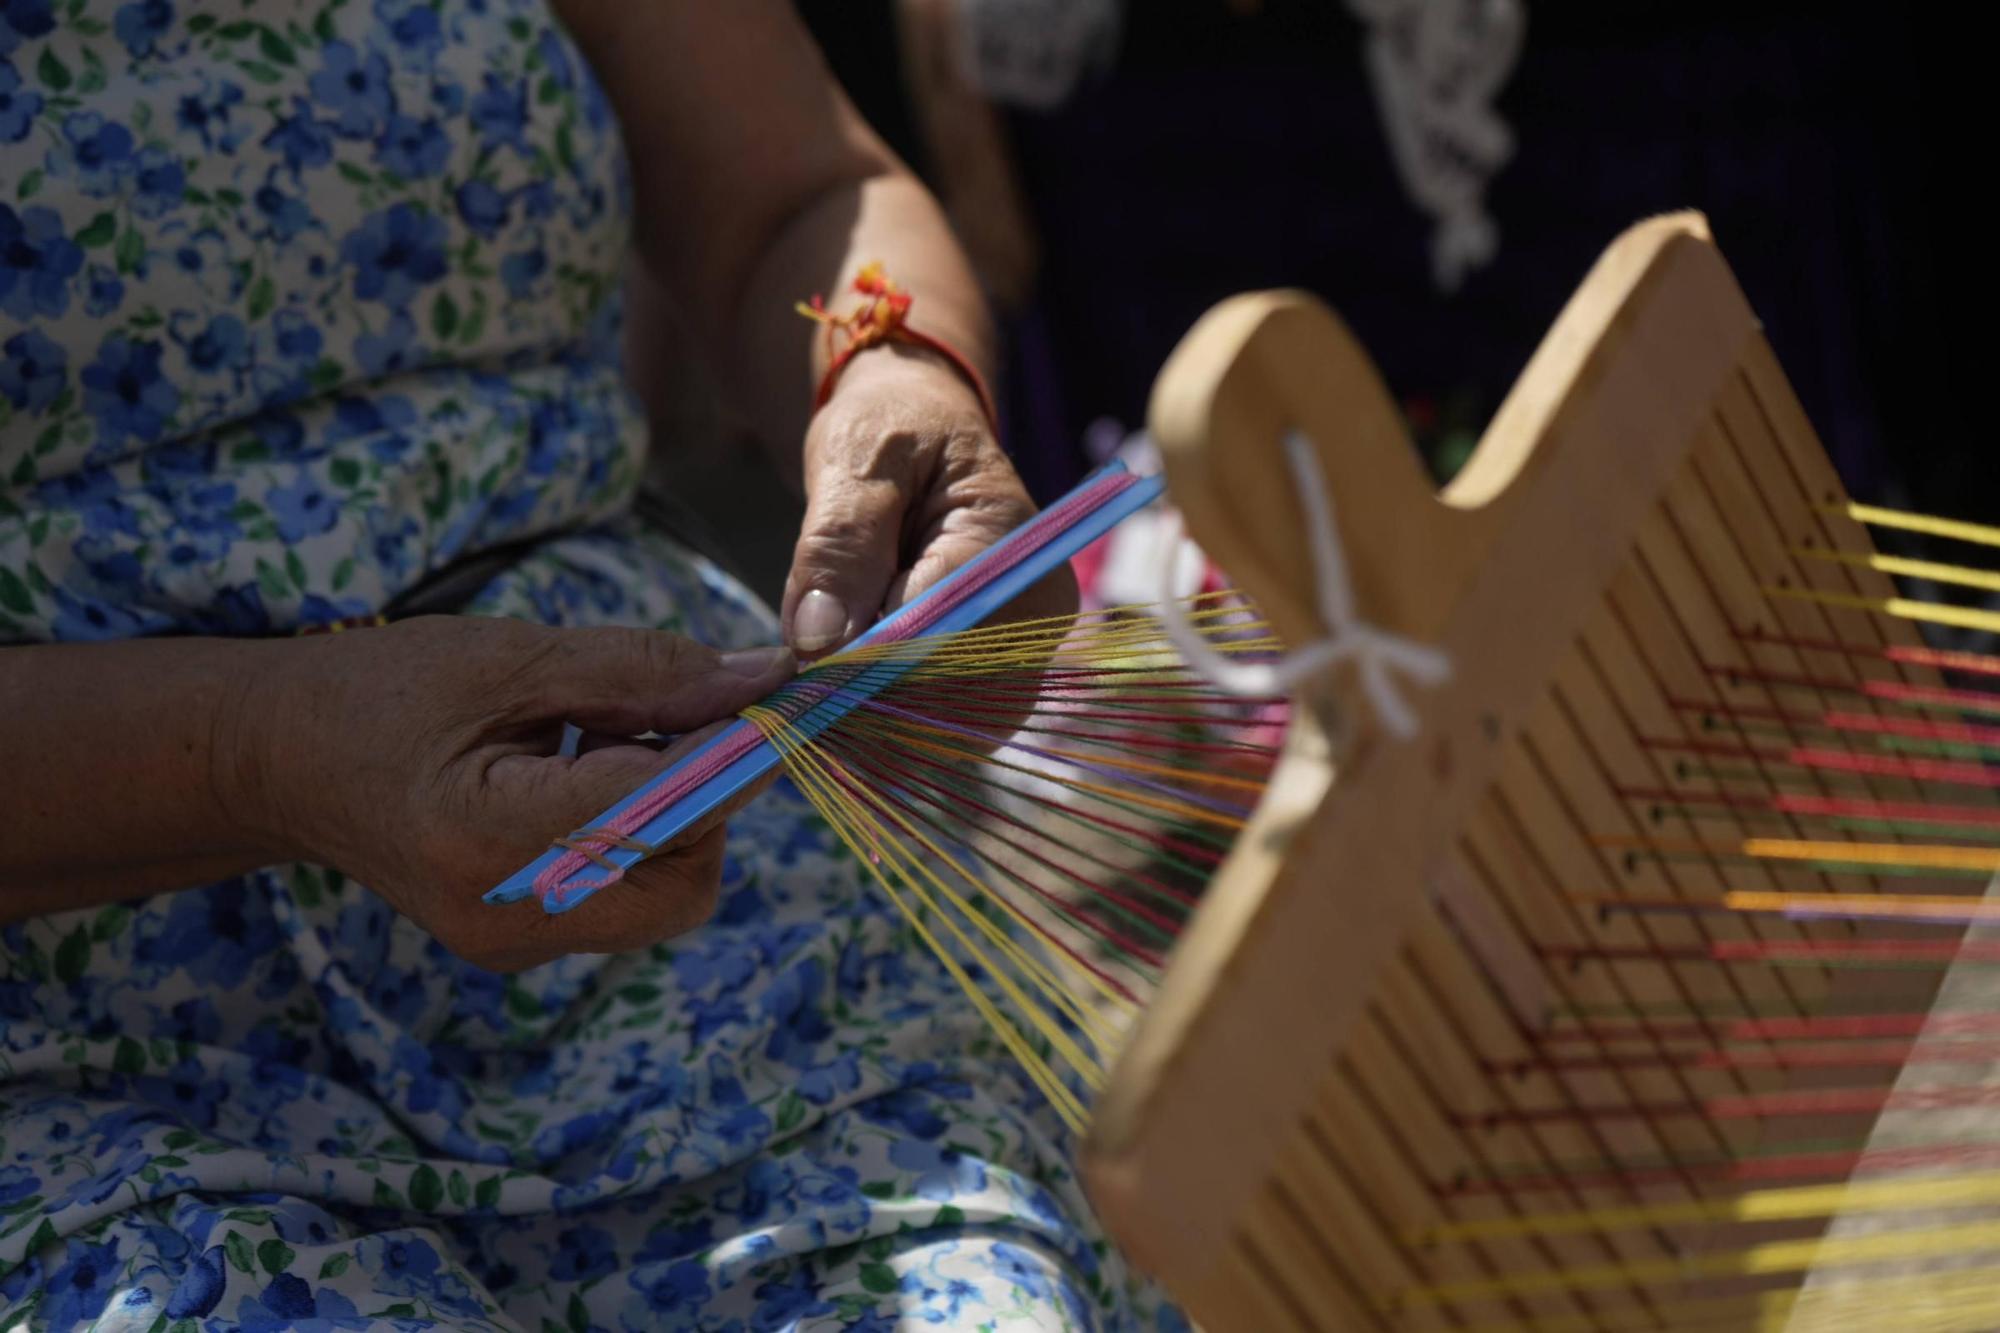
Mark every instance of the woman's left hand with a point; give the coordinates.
(904, 482)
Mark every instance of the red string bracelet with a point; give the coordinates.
(883, 317)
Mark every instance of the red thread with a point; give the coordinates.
(1837, 1164)
(1983, 664)
(1924, 770)
(1897, 692)
(861, 792)
(1916, 728)
(1744, 1106)
(1864, 1025)
(1123, 942)
(1893, 691)
(883, 317)
(1857, 952)
(1822, 1055)
(1932, 812)
(1185, 850)
(1840, 1165)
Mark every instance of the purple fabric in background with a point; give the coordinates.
(1825, 142)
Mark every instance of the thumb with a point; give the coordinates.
(848, 550)
(630, 681)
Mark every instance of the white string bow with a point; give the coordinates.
(1378, 656)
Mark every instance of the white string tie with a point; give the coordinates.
(1378, 656)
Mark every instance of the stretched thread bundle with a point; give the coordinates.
(649, 816)
(1042, 801)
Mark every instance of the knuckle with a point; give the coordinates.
(528, 666)
(664, 656)
(821, 558)
(846, 530)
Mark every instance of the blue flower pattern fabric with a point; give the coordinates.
(300, 301)
(268, 279)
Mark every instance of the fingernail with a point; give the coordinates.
(754, 661)
(819, 622)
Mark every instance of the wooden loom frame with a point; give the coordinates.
(1207, 1154)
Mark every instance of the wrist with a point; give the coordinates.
(250, 744)
(881, 320)
(909, 369)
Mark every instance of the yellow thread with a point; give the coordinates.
(1944, 905)
(1178, 809)
(1116, 622)
(1135, 651)
(1043, 1003)
(990, 658)
(1008, 947)
(825, 797)
(1933, 855)
(1048, 750)
(1977, 533)
(1758, 1206)
(1923, 1303)
(1768, 1260)
(1030, 647)
(1034, 971)
(1903, 608)
(1940, 856)
(1967, 1302)
(1933, 570)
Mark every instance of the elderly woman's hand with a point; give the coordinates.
(904, 483)
(421, 759)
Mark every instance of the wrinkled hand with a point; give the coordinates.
(904, 483)
(421, 760)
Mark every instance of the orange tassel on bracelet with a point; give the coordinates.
(882, 317)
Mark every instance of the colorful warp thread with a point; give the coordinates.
(1043, 802)
(1799, 795)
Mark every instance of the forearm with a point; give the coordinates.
(123, 770)
(757, 184)
(778, 358)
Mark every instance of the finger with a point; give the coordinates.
(627, 682)
(966, 533)
(1051, 596)
(532, 800)
(591, 741)
(528, 801)
(975, 500)
(658, 899)
(665, 895)
(669, 892)
(848, 550)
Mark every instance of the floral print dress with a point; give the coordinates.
(299, 301)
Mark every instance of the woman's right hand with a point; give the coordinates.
(420, 759)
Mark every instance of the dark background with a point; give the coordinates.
(1836, 149)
